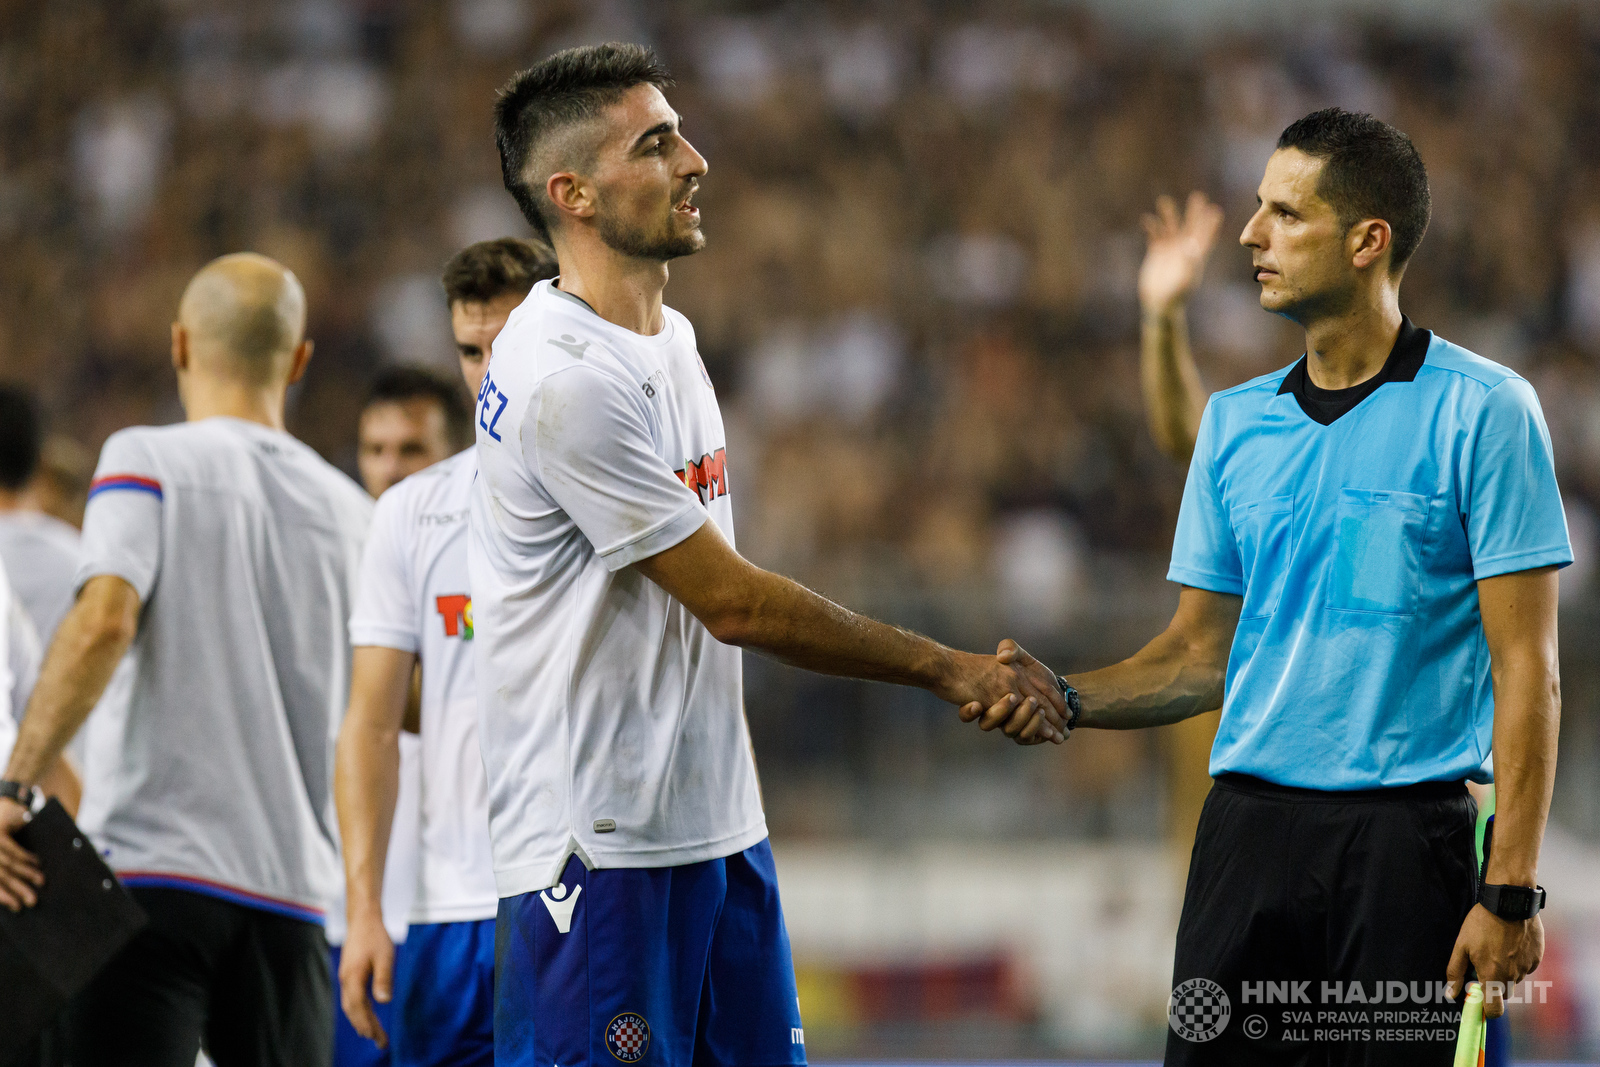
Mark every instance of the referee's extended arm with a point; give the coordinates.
(1177, 675)
(1519, 623)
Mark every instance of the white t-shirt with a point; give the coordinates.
(19, 667)
(214, 768)
(414, 597)
(40, 553)
(612, 722)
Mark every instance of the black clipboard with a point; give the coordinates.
(50, 951)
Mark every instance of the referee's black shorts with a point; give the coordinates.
(1326, 920)
(252, 985)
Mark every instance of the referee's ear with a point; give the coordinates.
(1368, 242)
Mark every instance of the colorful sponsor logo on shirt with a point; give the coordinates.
(628, 1037)
(457, 612)
(708, 477)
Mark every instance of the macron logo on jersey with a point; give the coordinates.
(709, 477)
(457, 612)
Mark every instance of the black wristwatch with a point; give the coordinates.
(1074, 705)
(22, 794)
(1513, 903)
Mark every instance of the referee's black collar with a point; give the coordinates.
(1325, 405)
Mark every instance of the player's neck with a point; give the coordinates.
(14, 500)
(208, 399)
(621, 289)
(1345, 350)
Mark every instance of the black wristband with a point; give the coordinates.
(22, 794)
(1074, 705)
(1513, 903)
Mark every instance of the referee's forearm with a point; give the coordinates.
(1527, 723)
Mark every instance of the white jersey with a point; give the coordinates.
(214, 768)
(612, 722)
(40, 554)
(19, 666)
(414, 596)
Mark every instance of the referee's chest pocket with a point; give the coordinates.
(1263, 529)
(1377, 561)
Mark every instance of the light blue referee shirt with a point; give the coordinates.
(1360, 660)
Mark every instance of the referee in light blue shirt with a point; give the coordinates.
(1367, 548)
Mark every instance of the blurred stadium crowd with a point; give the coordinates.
(917, 302)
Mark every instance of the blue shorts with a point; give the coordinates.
(657, 966)
(443, 1006)
(350, 1049)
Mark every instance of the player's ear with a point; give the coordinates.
(180, 348)
(297, 362)
(1368, 240)
(570, 194)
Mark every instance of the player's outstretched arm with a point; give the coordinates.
(87, 647)
(1519, 624)
(366, 786)
(1177, 675)
(743, 605)
(1175, 259)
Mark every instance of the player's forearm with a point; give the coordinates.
(1174, 398)
(1527, 722)
(366, 790)
(789, 622)
(87, 648)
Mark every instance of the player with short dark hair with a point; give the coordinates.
(639, 909)
(414, 609)
(412, 418)
(21, 437)
(219, 556)
(1367, 547)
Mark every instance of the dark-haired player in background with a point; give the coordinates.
(1368, 546)
(639, 911)
(414, 609)
(412, 418)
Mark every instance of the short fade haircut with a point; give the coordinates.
(21, 437)
(484, 271)
(397, 385)
(1370, 170)
(555, 93)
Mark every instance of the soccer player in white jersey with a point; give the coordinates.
(220, 556)
(39, 551)
(639, 915)
(412, 418)
(414, 605)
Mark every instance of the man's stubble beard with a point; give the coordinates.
(1303, 309)
(657, 246)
